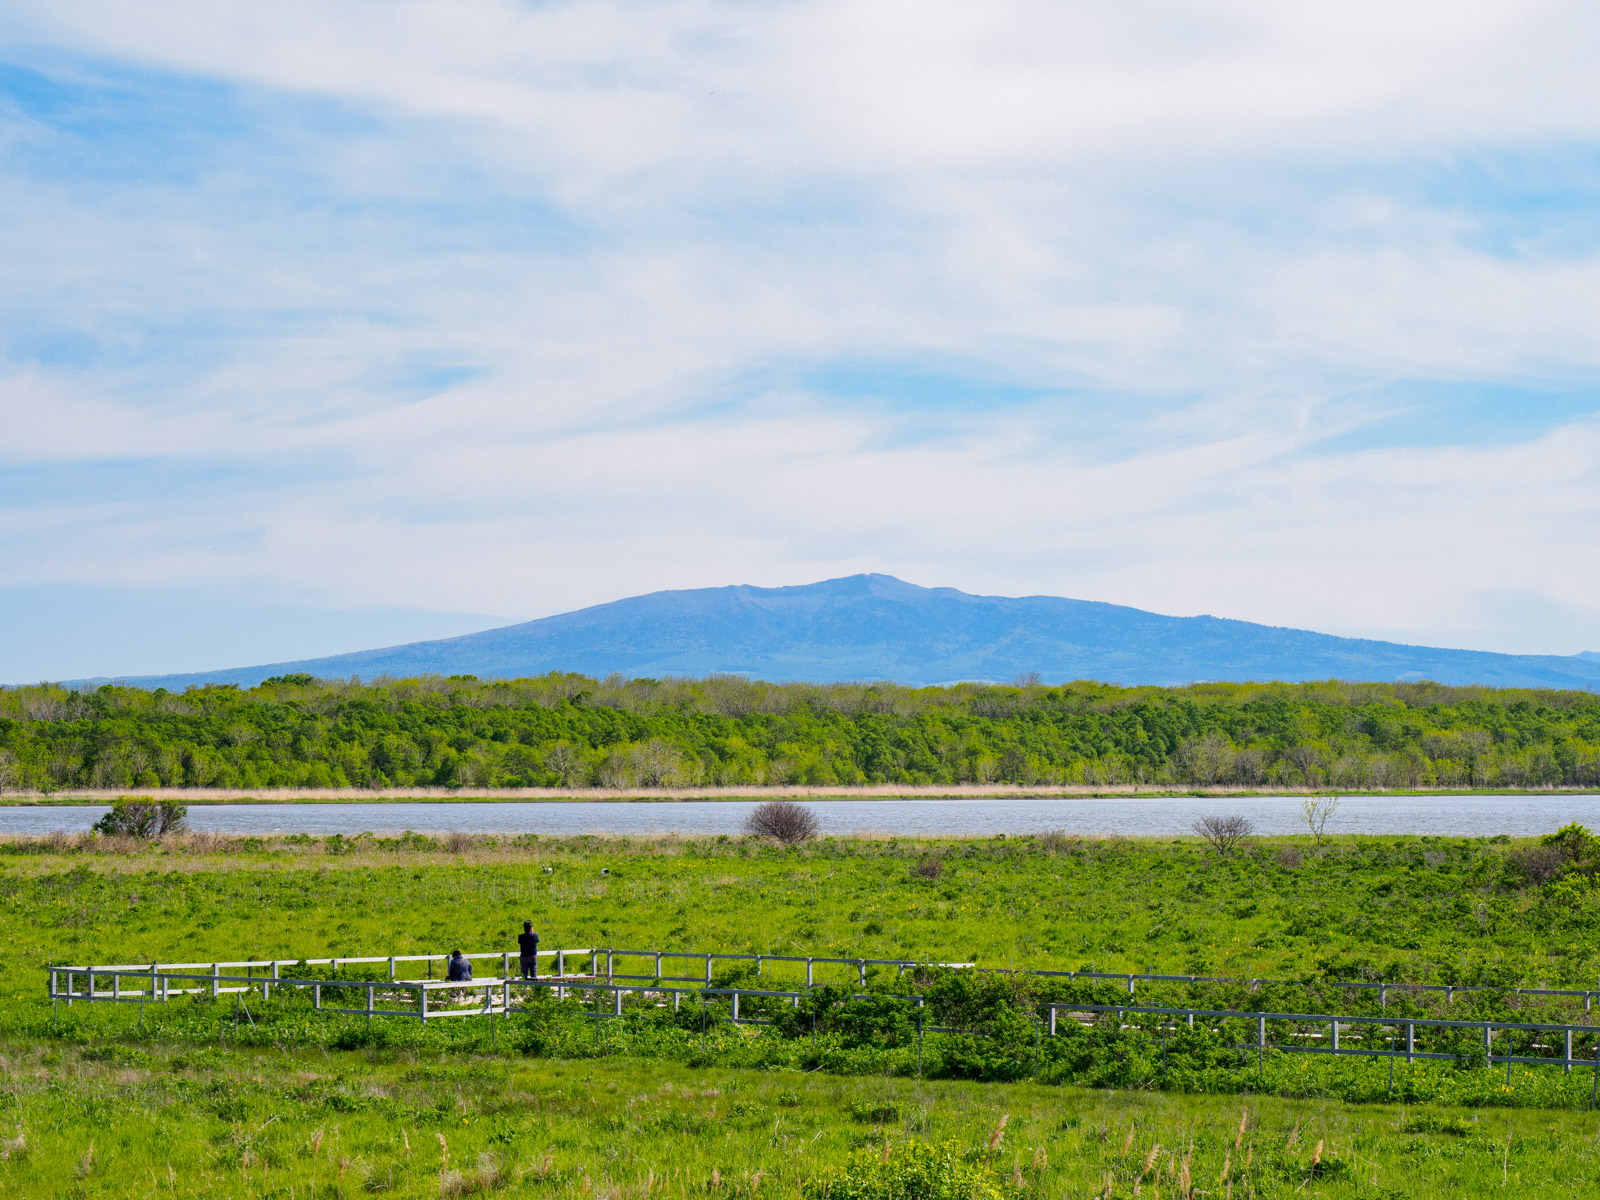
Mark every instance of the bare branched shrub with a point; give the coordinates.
(1289, 857)
(782, 821)
(458, 843)
(1224, 833)
(1538, 864)
(930, 866)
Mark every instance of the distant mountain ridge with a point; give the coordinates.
(877, 627)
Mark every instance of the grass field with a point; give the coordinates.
(235, 1118)
(1446, 909)
(120, 1121)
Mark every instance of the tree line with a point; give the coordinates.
(567, 730)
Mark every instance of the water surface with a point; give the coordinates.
(1519, 816)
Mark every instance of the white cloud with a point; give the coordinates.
(1185, 225)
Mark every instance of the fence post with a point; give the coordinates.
(316, 996)
(809, 963)
(561, 964)
(919, 1040)
(1411, 1041)
(116, 985)
(862, 964)
(391, 968)
(616, 1008)
(708, 970)
(1567, 1070)
(1130, 985)
(369, 1007)
(1052, 1020)
(422, 1002)
(1335, 1024)
(610, 973)
(215, 971)
(658, 966)
(505, 964)
(1383, 995)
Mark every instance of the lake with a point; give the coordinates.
(1519, 816)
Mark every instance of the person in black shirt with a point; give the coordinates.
(528, 948)
(459, 969)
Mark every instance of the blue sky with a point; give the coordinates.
(335, 325)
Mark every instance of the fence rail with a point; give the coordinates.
(1336, 1023)
(608, 956)
(500, 996)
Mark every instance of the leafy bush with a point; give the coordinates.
(873, 1114)
(142, 817)
(1426, 1122)
(1573, 841)
(909, 1171)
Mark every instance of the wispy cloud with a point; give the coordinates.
(490, 307)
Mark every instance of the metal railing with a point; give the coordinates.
(603, 960)
(428, 999)
(1337, 1023)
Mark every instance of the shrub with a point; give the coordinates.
(782, 821)
(1538, 864)
(1571, 840)
(929, 867)
(1224, 833)
(909, 1171)
(142, 817)
(873, 1114)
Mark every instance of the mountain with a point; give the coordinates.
(879, 627)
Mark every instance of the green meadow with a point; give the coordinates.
(198, 1098)
(115, 1120)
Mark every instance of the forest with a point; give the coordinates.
(566, 730)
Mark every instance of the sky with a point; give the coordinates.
(326, 326)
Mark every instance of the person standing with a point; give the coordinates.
(528, 949)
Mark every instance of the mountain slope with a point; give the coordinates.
(879, 627)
